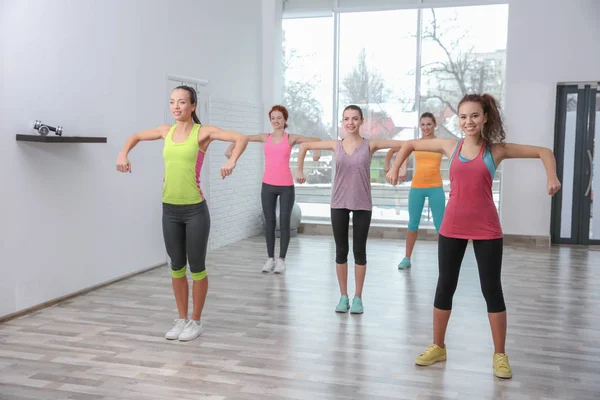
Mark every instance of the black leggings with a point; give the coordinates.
(268, 196)
(489, 262)
(340, 222)
(185, 230)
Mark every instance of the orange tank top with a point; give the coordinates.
(427, 170)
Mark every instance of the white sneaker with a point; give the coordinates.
(279, 266)
(268, 267)
(192, 330)
(178, 326)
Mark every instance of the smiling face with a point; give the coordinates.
(427, 127)
(472, 118)
(352, 120)
(181, 105)
(278, 121)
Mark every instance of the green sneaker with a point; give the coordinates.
(343, 305)
(357, 307)
(405, 263)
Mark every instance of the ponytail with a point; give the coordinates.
(193, 100)
(493, 130)
(195, 117)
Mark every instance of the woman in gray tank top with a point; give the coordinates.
(351, 194)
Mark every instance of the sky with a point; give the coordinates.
(389, 38)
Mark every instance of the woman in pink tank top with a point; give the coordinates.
(471, 215)
(277, 182)
(351, 193)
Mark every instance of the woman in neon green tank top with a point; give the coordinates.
(186, 220)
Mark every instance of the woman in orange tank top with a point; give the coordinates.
(426, 184)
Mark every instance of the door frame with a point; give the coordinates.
(584, 138)
(587, 160)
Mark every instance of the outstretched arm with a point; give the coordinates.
(160, 132)
(211, 133)
(444, 146)
(510, 150)
(393, 145)
(304, 147)
(299, 139)
(260, 138)
(386, 144)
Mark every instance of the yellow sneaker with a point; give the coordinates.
(433, 354)
(501, 366)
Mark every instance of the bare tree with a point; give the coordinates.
(462, 70)
(364, 85)
(306, 112)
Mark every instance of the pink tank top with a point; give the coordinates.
(471, 212)
(277, 162)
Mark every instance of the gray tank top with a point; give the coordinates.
(352, 184)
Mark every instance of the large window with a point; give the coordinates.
(376, 74)
(395, 65)
(308, 95)
(463, 51)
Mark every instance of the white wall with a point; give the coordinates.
(235, 207)
(549, 41)
(69, 220)
(272, 56)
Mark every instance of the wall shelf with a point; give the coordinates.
(60, 139)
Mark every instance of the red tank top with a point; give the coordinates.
(471, 212)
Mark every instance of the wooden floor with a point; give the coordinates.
(278, 337)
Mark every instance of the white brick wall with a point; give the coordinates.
(234, 202)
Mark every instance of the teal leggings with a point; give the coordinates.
(416, 201)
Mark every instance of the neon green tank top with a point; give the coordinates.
(183, 163)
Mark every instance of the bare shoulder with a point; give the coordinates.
(163, 130)
(207, 131)
(498, 149)
(207, 128)
(330, 144)
(259, 137)
(321, 145)
(448, 142)
(449, 145)
(437, 145)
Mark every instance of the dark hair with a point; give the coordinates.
(428, 115)
(193, 100)
(354, 107)
(493, 131)
(282, 110)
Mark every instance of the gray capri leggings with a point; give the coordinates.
(268, 195)
(185, 231)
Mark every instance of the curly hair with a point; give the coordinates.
(493, 131)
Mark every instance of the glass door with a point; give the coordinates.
(591, 208)
(575, 217)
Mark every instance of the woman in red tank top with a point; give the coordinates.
(471, 215)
